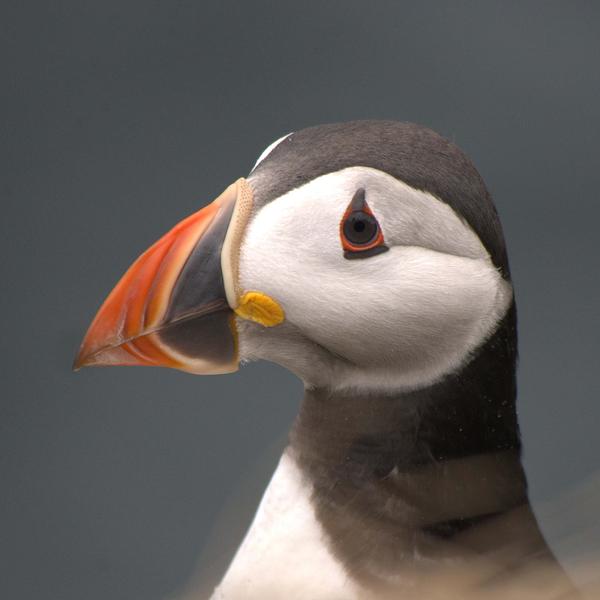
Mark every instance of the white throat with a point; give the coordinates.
(285, 554)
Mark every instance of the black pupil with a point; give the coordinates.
(360, 228)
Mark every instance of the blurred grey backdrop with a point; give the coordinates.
(120, 118)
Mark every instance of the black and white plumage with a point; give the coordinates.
(405, 458)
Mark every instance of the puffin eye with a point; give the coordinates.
(360, 232)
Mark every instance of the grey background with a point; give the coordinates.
(120, 118)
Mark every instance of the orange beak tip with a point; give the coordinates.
(103, 357)
(79, 361)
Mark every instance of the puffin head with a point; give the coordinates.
(364, 254)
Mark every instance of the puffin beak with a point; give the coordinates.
(174, 307)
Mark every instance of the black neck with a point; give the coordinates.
(404, 474)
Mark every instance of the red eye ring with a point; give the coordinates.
(360, 232)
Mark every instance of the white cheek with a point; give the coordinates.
(429, 308)
(411, 311)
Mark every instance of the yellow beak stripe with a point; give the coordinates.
(260, 308)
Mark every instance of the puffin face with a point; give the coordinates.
(402, 301)
(351, 277)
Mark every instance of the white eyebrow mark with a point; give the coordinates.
(270, 149)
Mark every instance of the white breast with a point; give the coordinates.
(285, 553)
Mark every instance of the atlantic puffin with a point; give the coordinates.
(367, 258)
